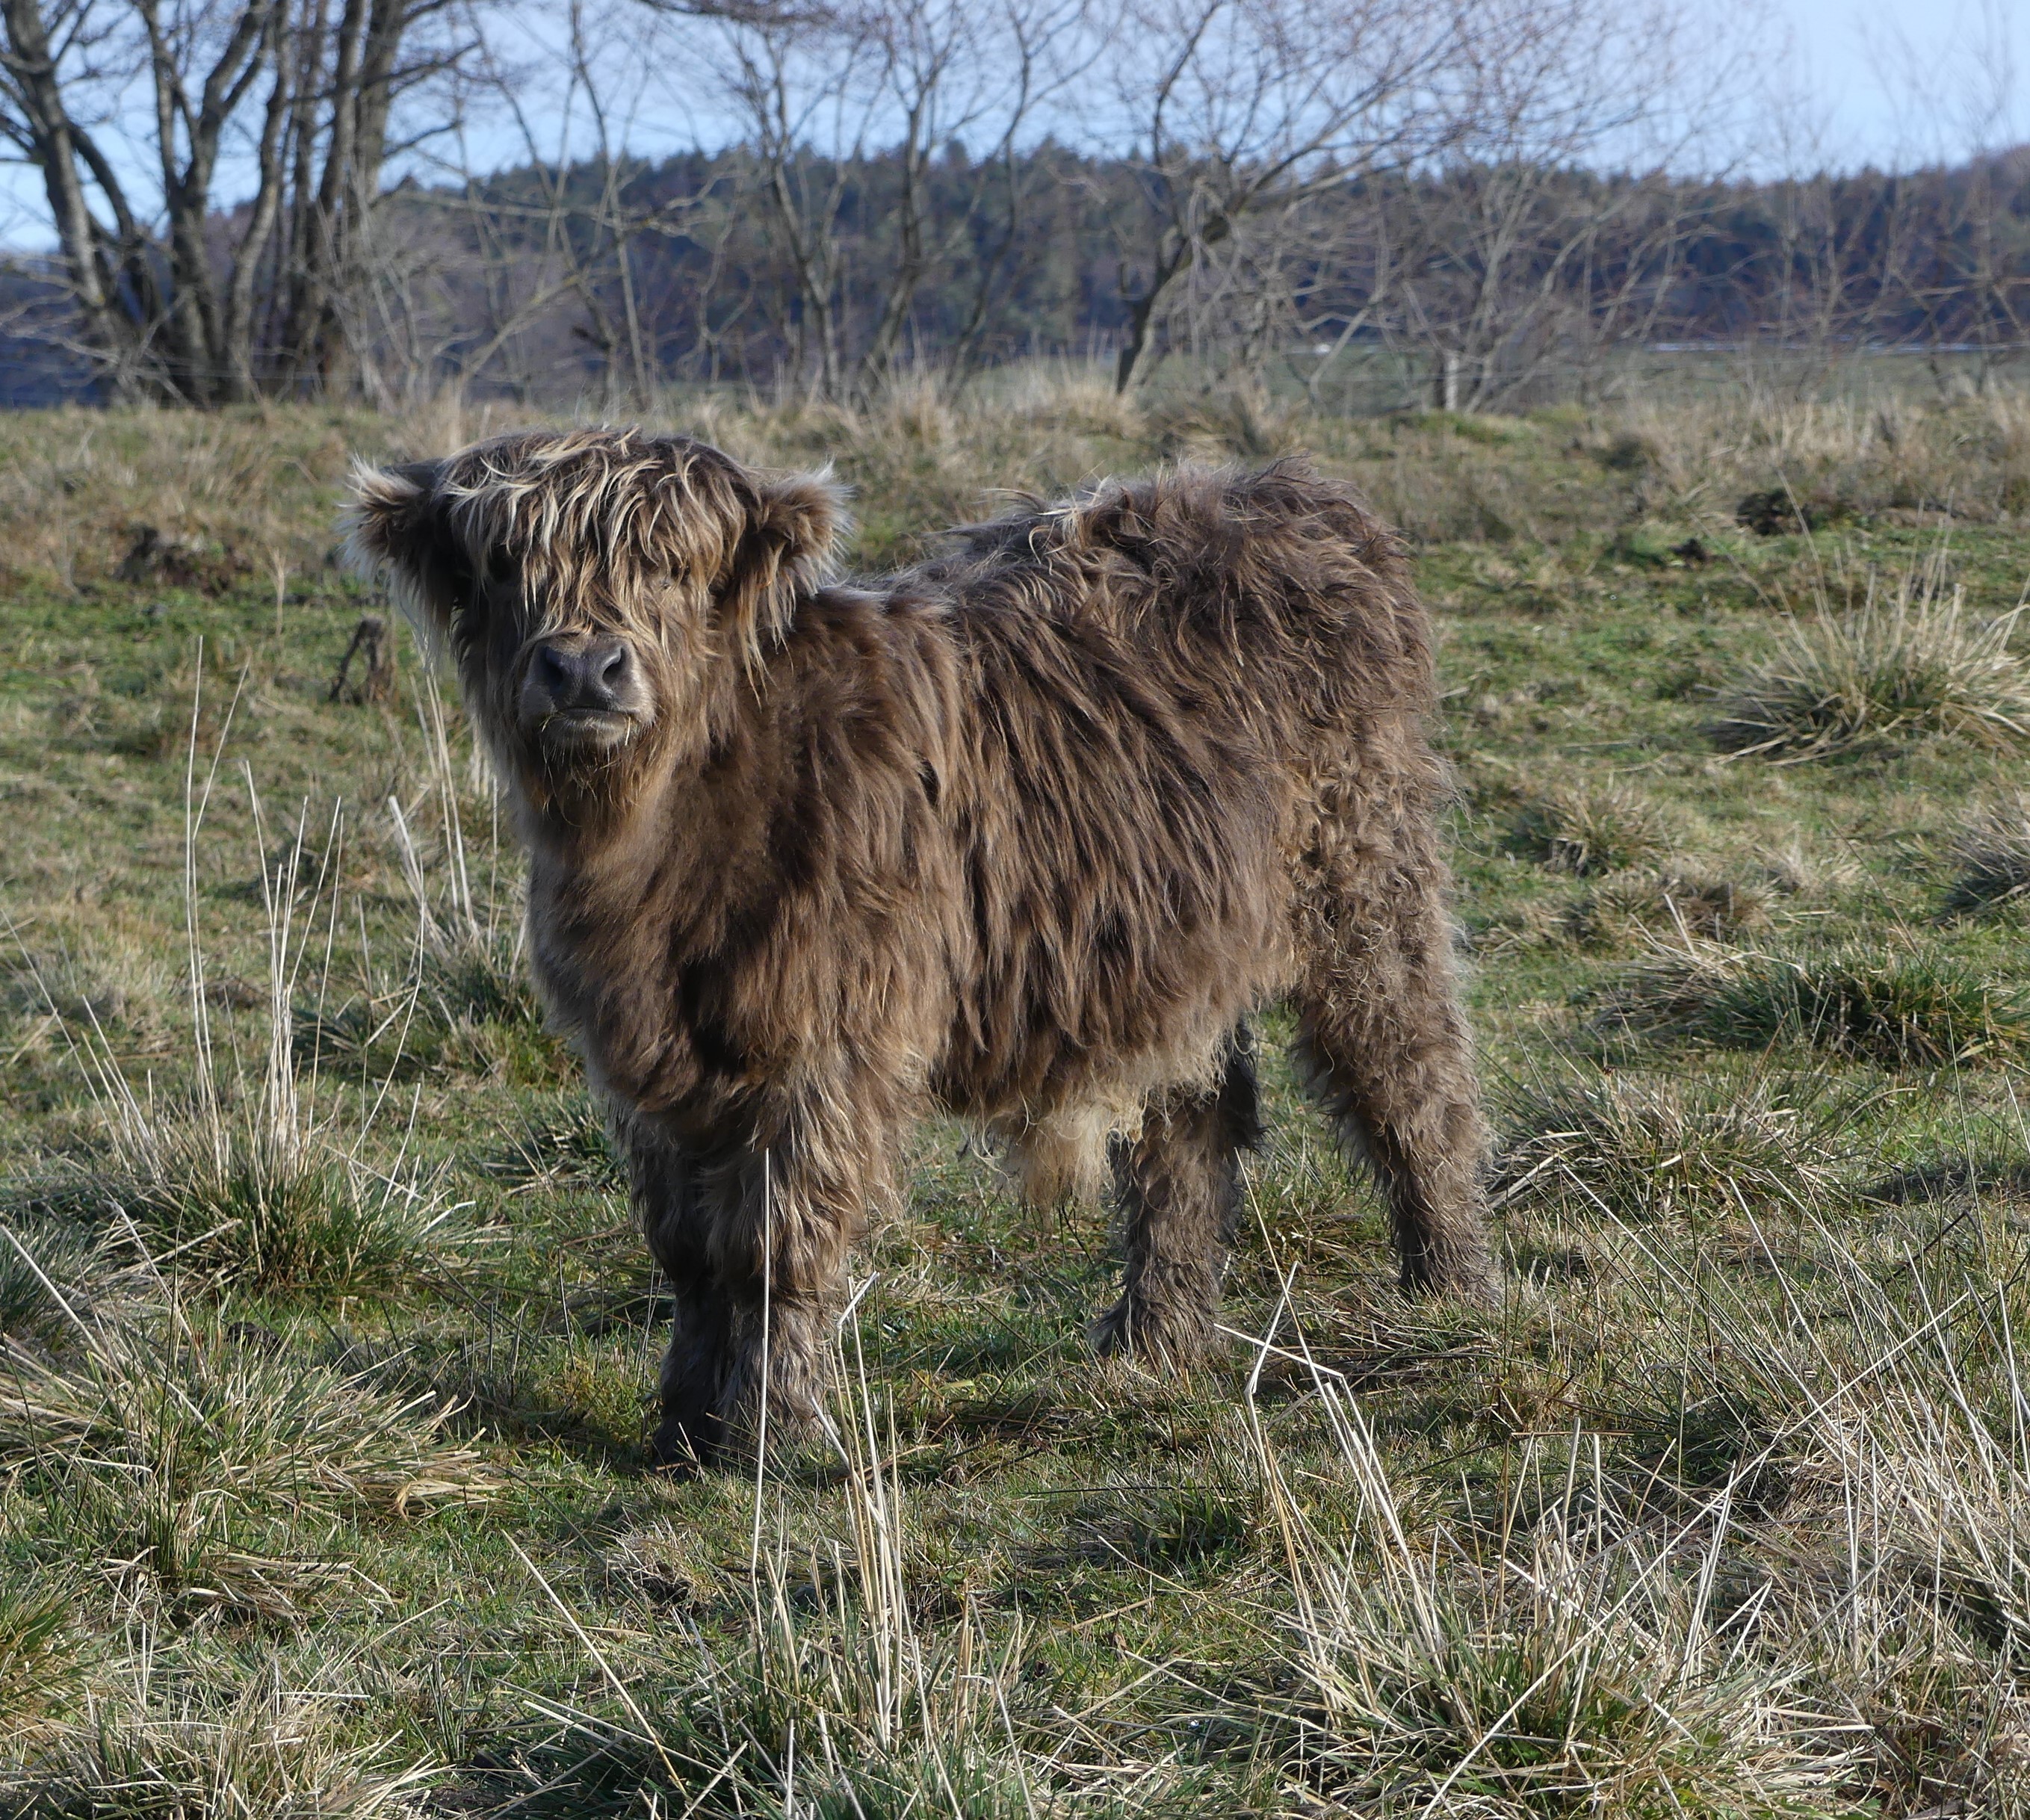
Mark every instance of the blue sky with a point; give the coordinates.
(1895, 81)
(1853, 82)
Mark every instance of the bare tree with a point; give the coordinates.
(586, 214)
(347, 79)
(153, 309)
(1237, 107)
(130, 110)
(1978, 293)
(1961, 262)
(1499, 272)
(808, 92)
(871, 93)
(952, 68)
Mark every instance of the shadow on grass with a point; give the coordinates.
(526, 1391)
(1949, 1179)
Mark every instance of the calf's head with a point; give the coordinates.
(599, 591)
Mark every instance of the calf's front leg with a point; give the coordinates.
(754, 1243)
(664, 1190)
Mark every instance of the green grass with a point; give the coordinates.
(329, 1347)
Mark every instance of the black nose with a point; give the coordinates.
(581, 673)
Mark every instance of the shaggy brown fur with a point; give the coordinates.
(1025, 832)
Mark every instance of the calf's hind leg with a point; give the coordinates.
(1385, 1049)
(1178, 1182)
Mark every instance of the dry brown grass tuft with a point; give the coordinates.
(1591, 829)
(1905, 665)
(152, 1749)
(1904, 1007)
(1585, 1667)
(1624, 907)
(1635, 1147)
(1991, 853)
(1791, 870)
(186, 1446)
(1890, 456)
(1239, 421)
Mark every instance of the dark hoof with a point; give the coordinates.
(680, 1450)
(1132, 1329)
(1471, 1279)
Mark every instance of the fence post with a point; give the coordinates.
(1445, 389)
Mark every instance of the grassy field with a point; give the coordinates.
(327, 1345)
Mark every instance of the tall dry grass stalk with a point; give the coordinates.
(240, 1175)
(841, 1700)
(458, 929)
(469, 966)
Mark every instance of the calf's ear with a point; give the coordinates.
(396, 530)
(788, 546)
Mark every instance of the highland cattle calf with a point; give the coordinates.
(1024, 834)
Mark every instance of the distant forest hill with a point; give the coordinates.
(1484, 286)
